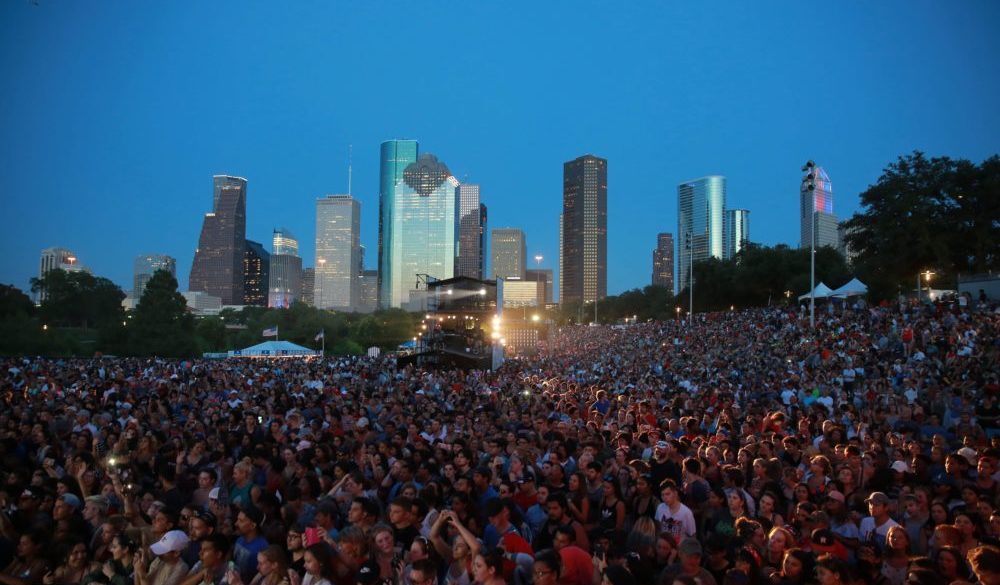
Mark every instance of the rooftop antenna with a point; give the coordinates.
(350, 156)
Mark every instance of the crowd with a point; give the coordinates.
(738, 448)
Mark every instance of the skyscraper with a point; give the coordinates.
(308, 285)
(422, 236)
(57, 259)
(737, 231)
(663, 261)
(509, 253)
(285, 279)
(700, 218)
(816, 209)
(368, 291)
(145, 266)
(396, 156)
(470, 232)
(482, 242)
(338, 252)
(583, 263)
(218, 262)
(256, 274)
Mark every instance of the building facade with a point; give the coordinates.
(395, 157)
(545, 276)
(508, 253)
(523, 293)
(338, 252)
(256, 274)
(218, 261)
(471, 224)
(308, 284)
(368, 291)
(57, 259)
(145, 266)
(285, 278)
(816, 209)
(422, 235)
(701, 205)
(737, 231)
(663, 261)
(583, 263)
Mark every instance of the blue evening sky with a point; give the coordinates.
(115, 114)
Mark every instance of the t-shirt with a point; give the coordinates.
(872, 534)
(679, 523)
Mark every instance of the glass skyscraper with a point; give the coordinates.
(285, 279)
(218, 261)
(701, 205)
(583, 247)
(816, 210)
(663, 261)
(470, 232)
(509, 253)
(737, 230)
(395, 157)
(338, 253)
(422, 236)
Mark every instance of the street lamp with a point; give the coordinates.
(927, 277)
(678, 310)
(690, 278)
(535, 317)
(811, 187)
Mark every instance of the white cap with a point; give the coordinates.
(362, 423)
(213, 494)
(173, 541)
(900, 466)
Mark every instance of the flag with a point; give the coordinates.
(270, 332)
(320, 335)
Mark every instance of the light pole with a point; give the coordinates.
(690, 278)
(322, 272)
(927, 276)
(811, 187)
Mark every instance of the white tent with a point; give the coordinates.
(272, 349)
(851, 289)
(821, 291)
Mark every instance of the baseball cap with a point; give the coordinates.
(71, 500)
(172, 541)
(99, 501)
(878, 498)
(835, 495)
(969, 454)
(900, 466)
(689, 546)
(362, 422)
(662, 444)
(213, 494)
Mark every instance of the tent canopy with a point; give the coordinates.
(822, 291)
(273, 349)
(851, 289)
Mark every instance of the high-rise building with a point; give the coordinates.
(57, 259)
(338, 252)
(470, 229)
(518, 292)
(701, 205)
(308, 285)
(218, 262)
(145, 266)
(816, 209)
(545, 276)
(737, 231)
(422, 235)
(482, 242)
(396, 156)
(256, 274)
(663, 261)
(285, 280)
(368, 290)
(508, 253)
(583, 263)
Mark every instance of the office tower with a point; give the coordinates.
(396, 156)
(816, 209)
(545, 276)
(518, 292)
(338, 252)
(737, 226)
(422, 233)
(285, 280)
(145, 266)
(57, 259)
(368, 291)
(256, 274)
(218, 262)
(481, 267)
(508, 253)
(584, 257)
(663, 261)
(700, 218)
(470, 232)
(308, 285)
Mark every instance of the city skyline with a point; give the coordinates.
(745, 113)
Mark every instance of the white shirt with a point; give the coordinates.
(871, 533)
(679, 523)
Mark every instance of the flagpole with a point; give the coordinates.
(324, 342)
(276, 335)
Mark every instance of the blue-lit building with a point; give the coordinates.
(737, 231)
(419, 228)
(395, 157)
(701, 205)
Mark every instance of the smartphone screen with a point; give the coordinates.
(312, 536)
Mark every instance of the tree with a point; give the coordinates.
(161, 324)
(78, 299)
(14, 302)
(935, 214)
